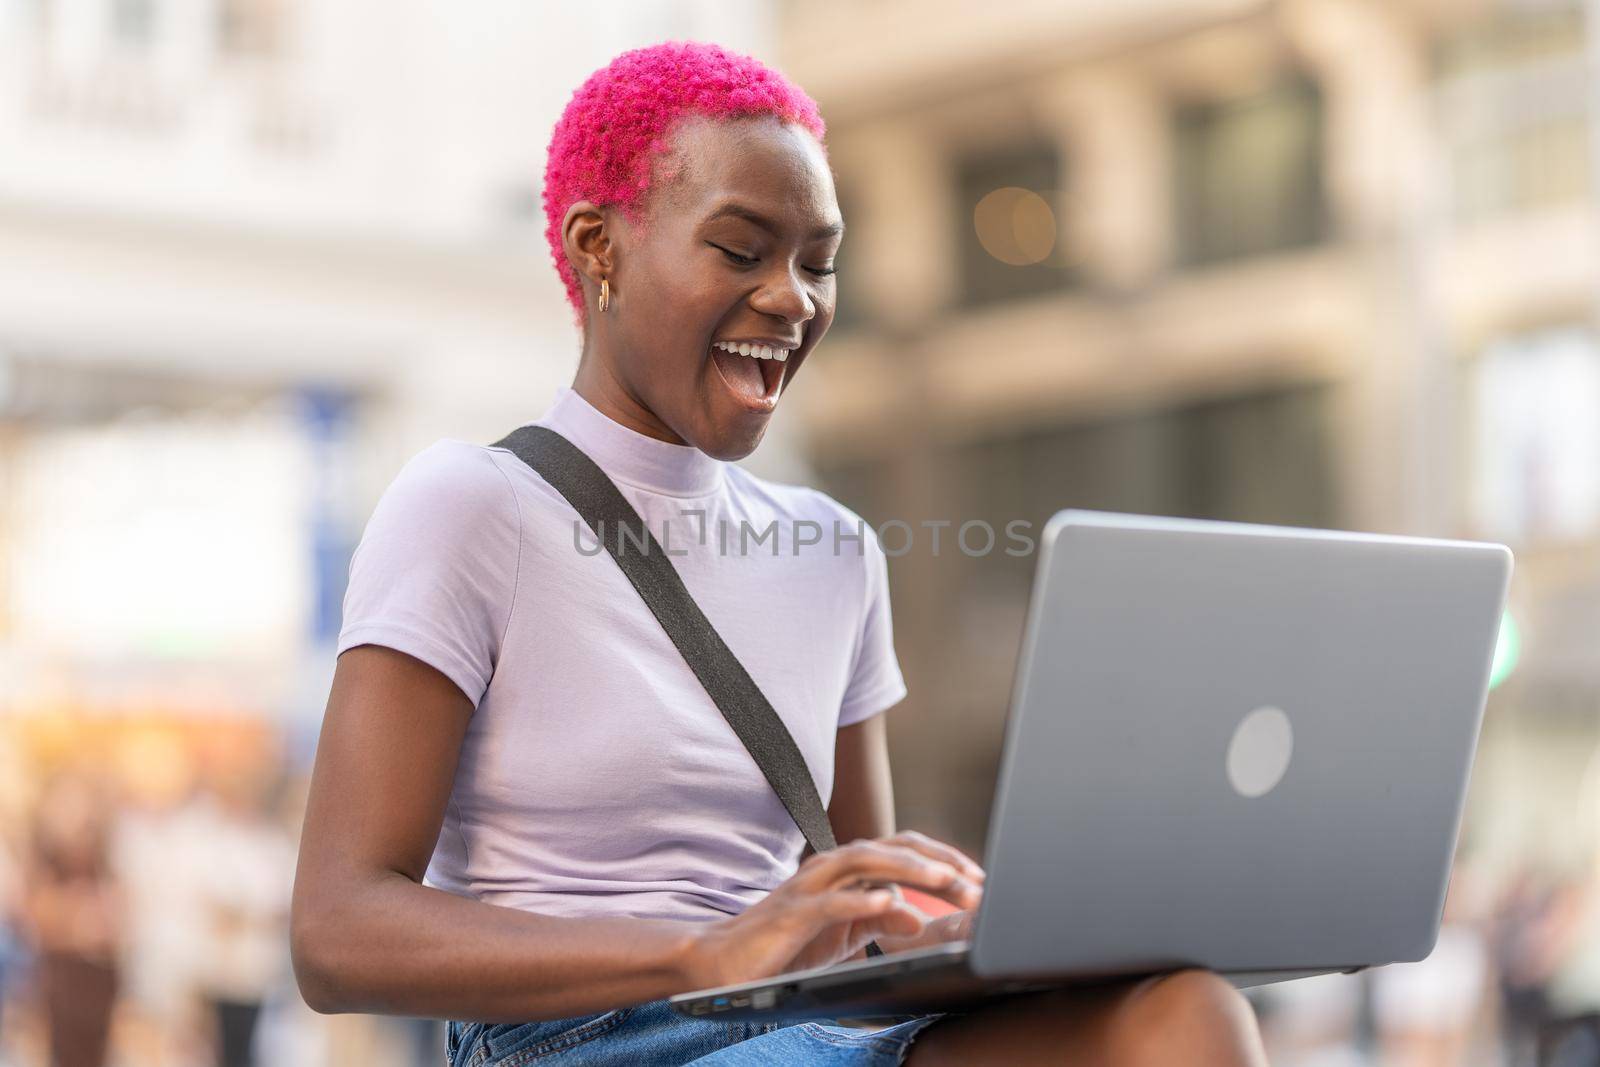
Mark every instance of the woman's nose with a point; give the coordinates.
(785, 297)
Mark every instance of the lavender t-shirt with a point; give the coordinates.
(596, 776)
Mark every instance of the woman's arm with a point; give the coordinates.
(366, 935)
(863, 792)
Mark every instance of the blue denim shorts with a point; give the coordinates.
(653, 1035)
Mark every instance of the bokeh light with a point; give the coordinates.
(1015, 226)
(1507, 651)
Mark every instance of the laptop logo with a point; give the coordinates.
(1259, 753)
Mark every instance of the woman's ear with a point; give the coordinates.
(586, 239)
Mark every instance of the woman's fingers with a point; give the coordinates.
(875, 913)
(896, 927)
(883, 862)
(853, 905)
(939, 851)
(934, 850)
(869, 913)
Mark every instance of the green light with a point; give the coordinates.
(1507, 650)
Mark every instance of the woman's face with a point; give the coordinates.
(738, 246)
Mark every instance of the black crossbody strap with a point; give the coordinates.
(624, 534)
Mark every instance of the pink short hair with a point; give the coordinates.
(621, 119)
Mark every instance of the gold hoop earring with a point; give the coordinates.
(605, 294)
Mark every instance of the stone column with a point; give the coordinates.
(1116, 150)
(1395, 419)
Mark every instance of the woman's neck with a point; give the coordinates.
(630, 455)
(607, 395)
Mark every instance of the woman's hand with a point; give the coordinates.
(955, 926)
(835, 903)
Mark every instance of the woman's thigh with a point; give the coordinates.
(653, 1035)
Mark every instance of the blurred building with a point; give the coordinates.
(1317, 262)
(253, 255)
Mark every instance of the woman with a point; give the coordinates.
(74, 910)
(508, 719)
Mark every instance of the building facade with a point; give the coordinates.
(303, 237)
(1319, 262)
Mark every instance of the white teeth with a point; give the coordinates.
(754, 351)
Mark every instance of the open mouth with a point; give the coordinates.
(752, 373)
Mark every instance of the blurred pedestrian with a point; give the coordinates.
(158, 845)
(1523, 962)
(243, 895)
(1573, 1027)
(73, 911)
(1571, 1043)
(12, 951)
(15, 784)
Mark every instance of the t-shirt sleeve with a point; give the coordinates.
(876, 683)
(435, 573)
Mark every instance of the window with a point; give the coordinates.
(1516, 35)
(1515, 111)
(1256, 457)
(850, 308)
(1536, 473)
(1011, 243)
(250, 28)
(1260, 457)
(1249, 175)
(1264, 456)
(133, 22)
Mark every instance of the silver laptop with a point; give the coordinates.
(1230, 746)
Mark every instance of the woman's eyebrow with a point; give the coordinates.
(737, 210)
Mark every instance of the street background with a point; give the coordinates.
(1311, 262)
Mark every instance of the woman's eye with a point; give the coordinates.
(745, 261)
